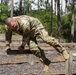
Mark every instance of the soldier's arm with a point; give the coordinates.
(26, 29)
(24, 40)
(8, 35)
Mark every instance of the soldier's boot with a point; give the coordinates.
(21, 49)
(44, 60)
(37, 51)
(46, 67)
(7, 48)
(65, 54)
(61, 50)
(46, 63)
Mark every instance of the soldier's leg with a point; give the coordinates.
(53, 42)
(39, 53)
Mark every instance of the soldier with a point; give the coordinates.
(30, 28)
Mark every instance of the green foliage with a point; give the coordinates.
(3, 12)
(3, 15)
(2, 28)
(45, 18)
(69, 8)
(66, 27)
(54, 26)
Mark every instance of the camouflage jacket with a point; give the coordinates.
(26, 26)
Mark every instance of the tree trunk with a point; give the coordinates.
(38, 5)
(28, 6)
(51, 17)
(20, 7)
(66, 11)
(47, 2)
(12, 1)
(55, 7)
(6, 2)
(72, 22)
(59, 19)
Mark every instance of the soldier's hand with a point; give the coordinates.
(21, 49)
(7, 48)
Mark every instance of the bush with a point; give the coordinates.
(4, 13)
(2, 28)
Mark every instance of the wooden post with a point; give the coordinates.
(69, 64)
(30, 59)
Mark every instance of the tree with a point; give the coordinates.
(51, 17)
(72, 21)
(47, 2)
(38, 5)
(59, 19)
(12, 1)
(27, 6)
(66, 11)
(6, 2)
(55, 7)
(20, 7)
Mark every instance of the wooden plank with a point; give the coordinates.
(14, 56)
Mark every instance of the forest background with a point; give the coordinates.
(59, 23)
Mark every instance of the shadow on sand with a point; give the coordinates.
(12, 52)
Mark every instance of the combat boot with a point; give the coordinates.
(46, 67)
(21, 49)
(46, 63)
(65, 54)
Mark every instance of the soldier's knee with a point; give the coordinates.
(33, 46)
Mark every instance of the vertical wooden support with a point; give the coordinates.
(69, 64)
(30, 59)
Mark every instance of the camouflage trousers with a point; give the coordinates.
(36, 50)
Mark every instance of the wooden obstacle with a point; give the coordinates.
(68, 63)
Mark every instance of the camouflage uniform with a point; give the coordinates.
(29, 28)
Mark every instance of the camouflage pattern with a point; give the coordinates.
(29, 28)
